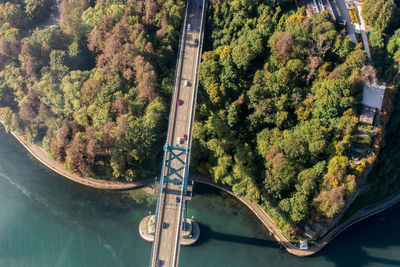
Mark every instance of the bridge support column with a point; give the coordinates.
(161, 181)
(184, 226)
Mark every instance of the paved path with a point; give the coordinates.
(363, 33)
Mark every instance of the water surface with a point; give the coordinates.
(46, 220)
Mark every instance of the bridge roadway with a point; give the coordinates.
(166, 244)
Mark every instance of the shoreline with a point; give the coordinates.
(360, 215)
(58, 167)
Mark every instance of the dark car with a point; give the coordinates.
(196, 42)
(178, 199)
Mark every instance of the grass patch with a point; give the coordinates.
(366, 127)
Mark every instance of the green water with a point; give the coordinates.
(46, 220)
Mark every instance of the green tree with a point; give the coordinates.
(379, 13)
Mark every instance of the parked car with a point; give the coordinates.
(196, 42)
(189, 27)
(184, 137)
(178, 199)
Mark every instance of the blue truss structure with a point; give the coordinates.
(173, 175)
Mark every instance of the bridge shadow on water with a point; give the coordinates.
(207, 234)
(374, 241)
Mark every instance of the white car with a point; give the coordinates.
(180, 141)
(187, 83)
(189, 27)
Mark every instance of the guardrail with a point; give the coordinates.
(196, 83)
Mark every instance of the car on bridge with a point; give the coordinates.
(180, 140)
(180, 102)
(187, 83)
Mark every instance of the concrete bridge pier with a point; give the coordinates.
(187, 237)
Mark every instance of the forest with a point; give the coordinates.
(92, 92)
(383, 19)
(278, 102)
(279, 109)
(280, 105)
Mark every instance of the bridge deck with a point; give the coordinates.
(171, 201)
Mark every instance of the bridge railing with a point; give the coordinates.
(172, 109)
(196, 79)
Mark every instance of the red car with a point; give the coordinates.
(184, 137)
(179, 102)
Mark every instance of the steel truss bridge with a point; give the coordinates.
(172, 189)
